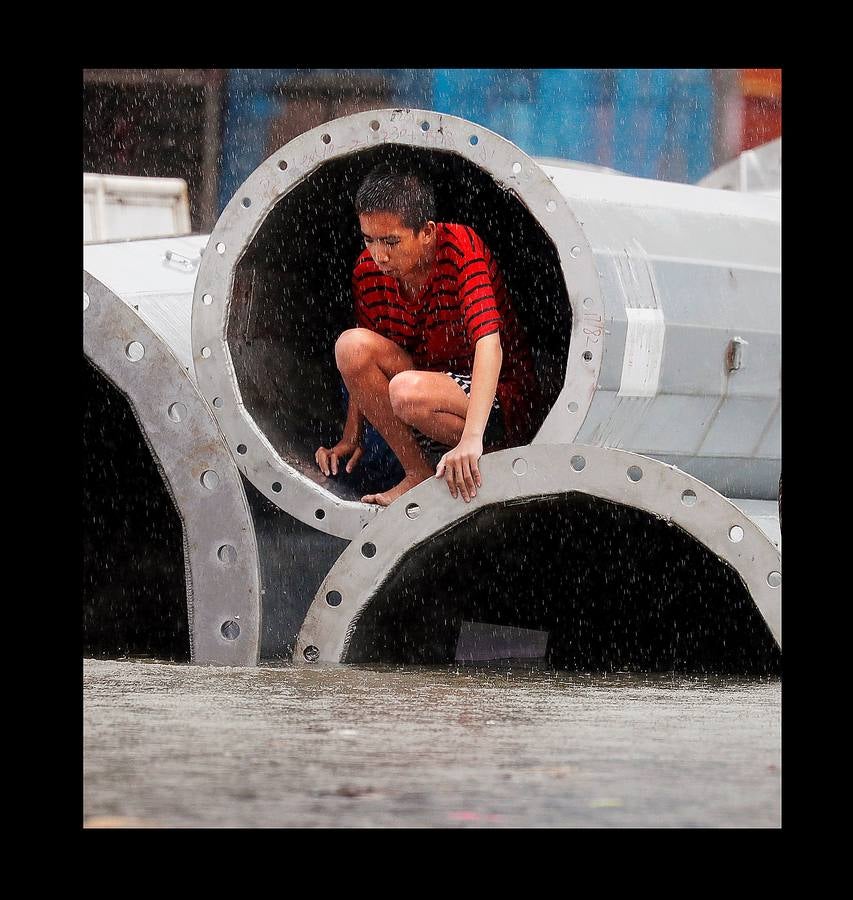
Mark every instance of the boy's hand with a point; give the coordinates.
(327, 459)
(460, 468)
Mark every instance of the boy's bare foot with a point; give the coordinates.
(389, 496)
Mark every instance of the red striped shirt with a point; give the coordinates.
(465, 299)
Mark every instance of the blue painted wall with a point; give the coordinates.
(655, 123)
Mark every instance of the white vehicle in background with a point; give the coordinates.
(118, 207)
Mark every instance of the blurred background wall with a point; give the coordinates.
(212, 127)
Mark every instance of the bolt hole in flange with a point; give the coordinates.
(578, 463)
(634, 473)
(177, 412)
(134, 351)
(311, 653)
(227, 554)
(334, 598)
(230, 630)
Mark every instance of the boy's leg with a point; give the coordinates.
(367, 361)
(432, 402)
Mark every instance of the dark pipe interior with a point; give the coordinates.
(295, 559)
(134, 587)
(615, 588)
(292, 299)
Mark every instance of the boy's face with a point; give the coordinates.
(397, 250)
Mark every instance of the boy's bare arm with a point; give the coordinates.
(460, 466)
(354, 427)
(488, 357)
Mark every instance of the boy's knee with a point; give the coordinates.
(406, 393)
(353, 349)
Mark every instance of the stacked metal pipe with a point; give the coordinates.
(654, 311)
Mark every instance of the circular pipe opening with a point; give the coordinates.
(134, 584)
(594, 584)
(292, 298)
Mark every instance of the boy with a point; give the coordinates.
(433, 318)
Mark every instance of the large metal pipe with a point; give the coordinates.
(220, 556)
(155, 278)
(661, 567)
(653, 308)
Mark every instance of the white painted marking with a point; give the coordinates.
(643, 353)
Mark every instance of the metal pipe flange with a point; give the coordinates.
(536, 473)
(218, 287)
(221, 557)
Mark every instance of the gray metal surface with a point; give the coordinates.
(156, 276)
(690, 338)
(223, 576)
(531, 472)
(765, 514)
(674, 294)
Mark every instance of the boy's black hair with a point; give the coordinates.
(404, 193)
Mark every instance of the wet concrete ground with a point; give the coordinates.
(186, 746)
